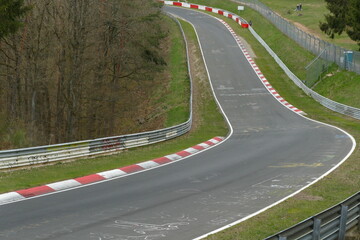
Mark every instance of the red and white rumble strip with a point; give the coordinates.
(227, 14)
(67, 184)
(259, 73)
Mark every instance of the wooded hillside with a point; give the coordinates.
(80, 69)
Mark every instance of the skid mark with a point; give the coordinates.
(294, 165)
(107, 236)
(145, 228)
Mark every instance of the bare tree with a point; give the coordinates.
(80, 69)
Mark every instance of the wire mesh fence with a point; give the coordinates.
(316, 69)
(344, 58)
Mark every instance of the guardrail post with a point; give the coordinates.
(316, 229)
(358, 218)
(358, 215)
(343, 219)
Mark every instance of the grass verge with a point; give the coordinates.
(179, 88)
(208, 122)
(340, 86)
(334, 188)
(312, 14)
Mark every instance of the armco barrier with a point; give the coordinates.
(44, 154)
(81, 149)
(330, 224)
(328, 103)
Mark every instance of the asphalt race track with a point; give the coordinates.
(272, 153)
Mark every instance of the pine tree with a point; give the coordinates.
(10, 13)
(353, 21)
(344, 16)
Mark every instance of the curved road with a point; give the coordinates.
(272, 153)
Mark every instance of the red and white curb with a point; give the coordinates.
(101, 176)
(225, 13)
(259, 73)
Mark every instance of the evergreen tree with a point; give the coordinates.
(10, 13)
(344, 16)
(353, 21)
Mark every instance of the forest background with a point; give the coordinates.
(82, 69)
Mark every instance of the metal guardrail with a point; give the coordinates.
(101, 146)
(344, 58)
(50, 153)
(329, 224)
(335, 106)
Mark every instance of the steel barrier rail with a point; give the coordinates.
(100, 146)
(332, 223)
(328, 103)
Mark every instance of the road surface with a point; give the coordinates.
(271, 153)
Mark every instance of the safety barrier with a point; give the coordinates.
(330, 224)
(328, 103)
(101, 146)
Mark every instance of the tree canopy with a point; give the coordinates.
(344, 16)
(10, 13)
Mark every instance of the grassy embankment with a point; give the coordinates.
(309, 18)
(339, 85)
(334, 188)
(179, 87)
(208, 123)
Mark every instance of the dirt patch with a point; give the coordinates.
(299, 25)
(307, 197)
(199, 77)
(304, 28)
(353, 235)
(248, 47)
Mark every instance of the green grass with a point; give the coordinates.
(180, 84)
(331, 190)
(341, 86)
(208, 123)
(312, 14)
(173, 97)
